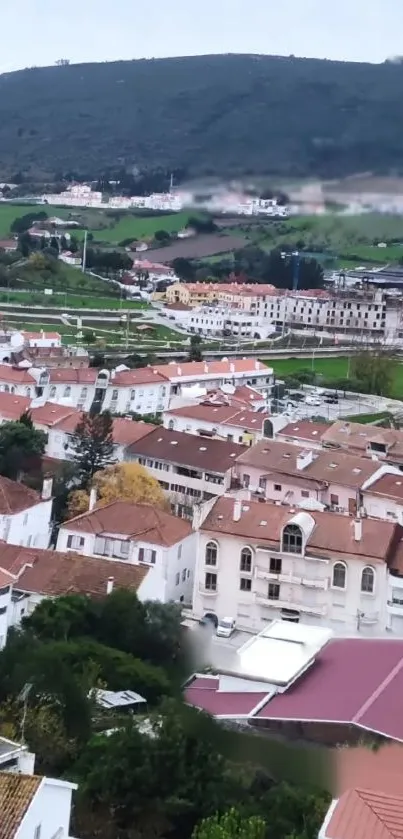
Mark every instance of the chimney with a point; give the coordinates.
(109, 585)
(93, 499)
(257, 364)
(304, 459)
(47, 486)
(206, 368)
(232, 368)
(179, 371)
(357, 530)
(237, 509)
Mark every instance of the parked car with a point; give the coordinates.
(296, 396)
(331, 397)
(313, 400)
(225, 627)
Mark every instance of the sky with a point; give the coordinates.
(39, 32)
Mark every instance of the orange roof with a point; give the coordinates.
(34, 336)
(200, 369)
(126, 431)
(15, 497)
(16, 794)
(51, 414)
(140, 376)
(222, 415)
(139, 521)
(69, 375)
(304, 430)
(366, 814)
(12, 406)
(15, 375)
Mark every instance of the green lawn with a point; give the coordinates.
(71, 301)
(330, 368)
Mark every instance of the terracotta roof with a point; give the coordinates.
(357, 437)
(369, 769)
(16, 795)
(70, 375)
(8, 244)
(178, 307)
(205, 694)
(15, 375)
(51, 413)
(126, 431)
(182, 449)
(15, 497)
(304, 430)
(138, 521)
(222, 415)
(54, 573)
(333, 467)
(140, 376)
(35, 336)
(224, 367)
(12, 406)
(331, 535)
(390, 486)
(366, 814)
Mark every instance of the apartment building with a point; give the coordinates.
(141, 535)
(25, 515)
(258, 562)
(287, 474)
(35, 806)
(214, 375)
(219, 421)
(189, 471)
(232, 322)
(384, 444)
(304, 433)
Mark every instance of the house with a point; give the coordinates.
(25, 515)
(137, 534)
(62, 422)
(216, 374)
(287, 681)
(258, 561)
(9, 245)
(187, 470)
(218, 421)
(385, 444)
(304, 433)
(380, 811)
(15, 757)
(34, 806)
(18, 380)
(42, 339)
(70, 258)
(286, 474)
(31, 574)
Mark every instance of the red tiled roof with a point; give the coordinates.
(15, 497)
(51, 414)
(216, 456)
(16, 795)
(390, 486)
(15, 375)
(222, 415)
(35, 336)
(224, 367)
(140, 521)
(304, 430)
(366, 814)
(140, 376)
(12, 406)
(126, 431)
(205, 694)
(54, 573)
(69, 375)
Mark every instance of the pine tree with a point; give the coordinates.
(93, 446)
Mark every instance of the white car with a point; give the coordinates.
(225, 628)
(313, 400)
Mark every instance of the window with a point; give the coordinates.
(179, 551)
(334, 500)
(273, 592)
(211, 553)
(147, 555)
(84, 391)
(292, 539)
(262, 483)
(275, 565)
(114, 395)
(339, 575)
(211, 582)
(75, 542)
(37, 832)
(52, 393)
(368, 580)
(305, 493)
(25, 519)
(27, 391)
(183, 575)
(246, 481)
(171, 425)
(277, 487)
(67, 392)
(245, 584)
(132, 394)
(177, 578)
(124, 548)
(246, 560)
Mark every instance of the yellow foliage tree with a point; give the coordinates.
(121, 482)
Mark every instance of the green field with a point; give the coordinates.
(71, 301)
(101, 223)
(329, 368)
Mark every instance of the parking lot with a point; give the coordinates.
(349, 405)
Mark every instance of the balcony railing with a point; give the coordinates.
(312, 609)
(292, 579)
(208, 591)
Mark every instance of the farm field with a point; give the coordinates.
(330, 368)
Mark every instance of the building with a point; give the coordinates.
(25, 515)
(380, 811)
(137, 534)
(257, 561)
(9, 245)
(60, 432)
(15, 757)
(216, 374)
(219, 421)
(288, 474)
(230, 322)
(287, 681)
(189, 472)
(34, 806)
(42, 339)
(303, 433)
(385, 444)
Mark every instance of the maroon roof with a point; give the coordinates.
(353, 681)
(205, 694)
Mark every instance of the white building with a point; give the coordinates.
(25, 515)
(138, 534)
(211, 320)
(34, 807)
(219, 421)
(257, 562)
(42, 339)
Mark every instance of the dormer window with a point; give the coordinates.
(292, 541)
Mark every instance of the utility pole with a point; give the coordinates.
(84, 265)
(171, 184)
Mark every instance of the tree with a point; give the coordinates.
(21, 448)
(375, 370)
(92, 443)
(195, 352)
(162, 236)
(230, 826)
(121, 482)
(183, 268)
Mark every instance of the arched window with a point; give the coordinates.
(12, 389)
(246, 560)
(52, 392)
(67, 392)
(368, 580)
(292, 539)
(84, 392)
(211, 553)
(339, 575)
(6, 389)
(171, 425)
(27, 391)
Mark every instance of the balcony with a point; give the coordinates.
(292, 579)
(315, 582)
(313, 609)
(395, 607)
(209, 592)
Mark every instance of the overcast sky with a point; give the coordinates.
(38, 32)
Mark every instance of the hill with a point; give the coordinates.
(213, 115)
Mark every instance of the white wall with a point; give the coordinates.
(50, 810)
(30, 527)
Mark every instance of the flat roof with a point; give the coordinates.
(280, 653)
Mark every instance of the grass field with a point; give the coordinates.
(330, 368)
(71, 301)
